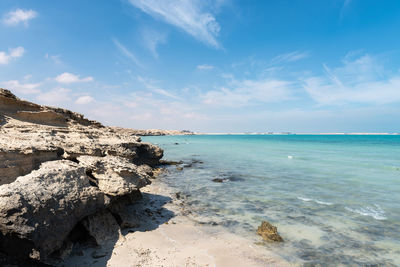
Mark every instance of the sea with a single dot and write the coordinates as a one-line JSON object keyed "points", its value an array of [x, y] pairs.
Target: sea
{"points": [[335, 199]]}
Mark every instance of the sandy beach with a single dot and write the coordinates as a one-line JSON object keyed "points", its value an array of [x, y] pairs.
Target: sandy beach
{"points": [[167, 236]]}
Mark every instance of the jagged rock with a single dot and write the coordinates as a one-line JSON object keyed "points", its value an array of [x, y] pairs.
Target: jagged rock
{"points": [[38, 210], [103, 227], [23, 110], [114, 176], [170, 162], [63, 177], [17, 163], [269, 232]]}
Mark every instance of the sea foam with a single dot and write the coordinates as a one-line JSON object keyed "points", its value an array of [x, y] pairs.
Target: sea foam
{"points": [[315, 200], [375, 212]]}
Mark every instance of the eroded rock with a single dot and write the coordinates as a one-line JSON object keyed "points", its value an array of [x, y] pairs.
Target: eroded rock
{"points": [[269, 232], [114, 176], [103, 227], [64, 178], [38, 210]]}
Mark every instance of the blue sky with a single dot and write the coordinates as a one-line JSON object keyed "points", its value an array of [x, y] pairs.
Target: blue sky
{"points": [[210, 66]]}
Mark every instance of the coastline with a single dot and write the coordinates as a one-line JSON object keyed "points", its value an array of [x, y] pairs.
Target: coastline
{"points": [[169, 236], [253, 133], [88, 177]]}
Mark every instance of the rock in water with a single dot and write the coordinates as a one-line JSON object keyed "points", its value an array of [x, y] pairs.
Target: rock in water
{"points": [[269, 232]]}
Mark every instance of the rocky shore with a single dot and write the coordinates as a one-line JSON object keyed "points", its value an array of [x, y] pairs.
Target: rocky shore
{"points": [[64, 179], [71, 195]]}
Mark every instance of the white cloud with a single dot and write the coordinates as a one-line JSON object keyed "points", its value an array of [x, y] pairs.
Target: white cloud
{"points": [[19, 16], [126, 52], [249, 92], [189, 16], [67, 77], [13, 53], [21, 88], [82, 100], [290, 57], [151, 85], [205, 67], [360, 80], [56, 96], [152, 39], [55, 58]]}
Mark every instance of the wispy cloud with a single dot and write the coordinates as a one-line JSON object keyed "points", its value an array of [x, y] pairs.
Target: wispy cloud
{"points": [[56, 96], [149, 84], [345, 6], [289, 57], [152, 39], [19, 16], [83, 100], [359, 80], [189, 16], [13, 53], [249, 92], [67, 77], [124, 51], [55, 58], [205, 67], [21, 88]]}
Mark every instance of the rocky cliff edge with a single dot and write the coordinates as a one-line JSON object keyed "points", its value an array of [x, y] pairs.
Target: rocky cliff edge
{"points": [[62, 178]]}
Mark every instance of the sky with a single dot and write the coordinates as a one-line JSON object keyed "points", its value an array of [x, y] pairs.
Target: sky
{"points": [[209, 66]]}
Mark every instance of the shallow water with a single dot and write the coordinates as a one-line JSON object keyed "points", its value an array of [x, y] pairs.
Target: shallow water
{"points": [[335, 199]]}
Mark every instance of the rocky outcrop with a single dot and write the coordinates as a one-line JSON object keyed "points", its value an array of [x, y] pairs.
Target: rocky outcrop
{"points": [[62, 177], [23, 110], [269, 232], [37, 211]]}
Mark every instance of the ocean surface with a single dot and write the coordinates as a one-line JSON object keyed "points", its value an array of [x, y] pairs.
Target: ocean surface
{"points": [[334, 198]]}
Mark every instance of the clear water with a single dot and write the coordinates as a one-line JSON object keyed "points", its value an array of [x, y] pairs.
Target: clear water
{"points": [[334, 199]]}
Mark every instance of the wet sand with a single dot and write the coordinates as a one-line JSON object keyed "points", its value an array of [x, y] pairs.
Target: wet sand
{"points": [[166, 236]]}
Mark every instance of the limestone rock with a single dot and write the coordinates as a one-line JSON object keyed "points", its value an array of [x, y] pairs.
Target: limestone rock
{"points": [[18, 163], [114, 176], [103, 227], [269, 232], [38, 210], [63, 176]]}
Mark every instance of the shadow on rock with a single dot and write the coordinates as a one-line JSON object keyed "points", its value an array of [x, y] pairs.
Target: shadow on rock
{"points": [[97, 237]]}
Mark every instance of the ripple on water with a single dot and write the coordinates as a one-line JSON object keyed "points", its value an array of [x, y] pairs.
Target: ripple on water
{"points": [[374, 211], [320, 199]]}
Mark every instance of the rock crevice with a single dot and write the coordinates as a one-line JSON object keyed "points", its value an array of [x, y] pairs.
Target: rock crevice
{"points": [[64, 177]]}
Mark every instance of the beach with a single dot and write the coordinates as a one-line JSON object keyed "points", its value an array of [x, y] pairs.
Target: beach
{"points": [[169, 236], [220, 188], [333, 198]]}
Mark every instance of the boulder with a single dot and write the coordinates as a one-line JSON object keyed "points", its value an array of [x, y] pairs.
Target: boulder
{"points": [[103, 227], [114, 176], [269, 232], [64, 178], [39, 210]]}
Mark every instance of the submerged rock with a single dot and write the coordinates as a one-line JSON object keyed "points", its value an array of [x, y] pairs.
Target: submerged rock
{"points": [[170, 162], [269, 232], [219, 180]]}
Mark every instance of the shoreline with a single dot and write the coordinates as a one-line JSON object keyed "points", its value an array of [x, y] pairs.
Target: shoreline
{"points": [[169, 236], [297, 134]]}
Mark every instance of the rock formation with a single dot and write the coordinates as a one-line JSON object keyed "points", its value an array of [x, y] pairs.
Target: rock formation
{"points": [[269, 232], [63, 176]]}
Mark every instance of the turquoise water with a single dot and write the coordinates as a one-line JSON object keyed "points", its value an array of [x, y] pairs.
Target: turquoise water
{"points": [[335, 199]]}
